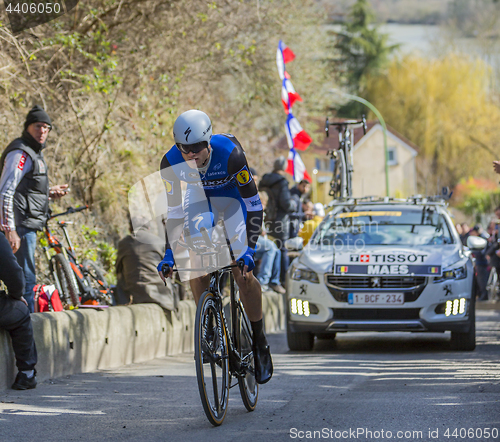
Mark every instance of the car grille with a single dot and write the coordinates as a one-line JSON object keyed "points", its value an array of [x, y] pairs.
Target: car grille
{"points": [[340, 286], [375, 314], [365, 282]]}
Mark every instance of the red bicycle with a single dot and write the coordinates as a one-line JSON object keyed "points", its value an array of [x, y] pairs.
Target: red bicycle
{"points": [[78, 283]]}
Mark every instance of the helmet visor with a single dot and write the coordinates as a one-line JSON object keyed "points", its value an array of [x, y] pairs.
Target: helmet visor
{"points": [[195, 148]]}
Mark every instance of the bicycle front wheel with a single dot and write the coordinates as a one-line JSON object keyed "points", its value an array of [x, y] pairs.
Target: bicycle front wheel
{"points": [[67, 280], [249, 389], [211, 357]]}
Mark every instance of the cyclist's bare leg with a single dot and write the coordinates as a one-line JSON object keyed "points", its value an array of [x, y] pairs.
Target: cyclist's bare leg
{"points": [[251, 296], [250, 293], [199, 282], [198, 286]]}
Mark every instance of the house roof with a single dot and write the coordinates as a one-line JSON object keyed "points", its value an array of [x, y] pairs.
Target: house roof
{"points": [[332, 142]]}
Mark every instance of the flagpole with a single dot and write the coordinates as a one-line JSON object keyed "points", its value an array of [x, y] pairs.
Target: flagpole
{"points": [[382, 122]]}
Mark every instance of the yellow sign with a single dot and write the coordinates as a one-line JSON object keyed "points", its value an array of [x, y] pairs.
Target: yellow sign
{"points": [[356, 214], [169, 186], [243, 177]]}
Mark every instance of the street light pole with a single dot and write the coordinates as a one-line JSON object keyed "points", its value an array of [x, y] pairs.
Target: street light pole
{"points": [[382, 122], [315, 185]]}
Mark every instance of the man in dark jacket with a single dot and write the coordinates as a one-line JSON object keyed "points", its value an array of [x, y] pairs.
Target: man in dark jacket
{"points": [[25, 192], [15, 317], [279, 227], [299, 193]]}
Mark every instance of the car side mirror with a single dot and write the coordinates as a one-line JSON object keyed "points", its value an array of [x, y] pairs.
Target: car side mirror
{"points": [[476, 243], [294, 244]]}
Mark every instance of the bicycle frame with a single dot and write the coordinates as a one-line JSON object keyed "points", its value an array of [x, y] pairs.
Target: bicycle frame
{"points": [[238, 367]]}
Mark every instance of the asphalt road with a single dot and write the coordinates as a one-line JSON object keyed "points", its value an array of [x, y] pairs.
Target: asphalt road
{"points": [[404, 387]]}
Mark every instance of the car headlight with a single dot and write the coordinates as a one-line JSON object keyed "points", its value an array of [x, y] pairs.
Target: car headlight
{"points": [[457, 273], [304, 274]]}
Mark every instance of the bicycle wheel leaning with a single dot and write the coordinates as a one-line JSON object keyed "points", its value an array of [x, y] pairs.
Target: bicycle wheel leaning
{"points": [[339, 182], [98, 282], [66, 280], [242, 337], [211, 357]]}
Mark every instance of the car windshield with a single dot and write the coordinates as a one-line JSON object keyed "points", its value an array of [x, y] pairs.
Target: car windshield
{"points": [[408, 227]]}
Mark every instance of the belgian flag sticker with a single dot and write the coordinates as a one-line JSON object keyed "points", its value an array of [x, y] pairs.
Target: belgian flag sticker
{"points": [[243, 176]]}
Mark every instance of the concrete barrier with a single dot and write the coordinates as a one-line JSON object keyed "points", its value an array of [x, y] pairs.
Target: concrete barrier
{"points": [[82, 340]]}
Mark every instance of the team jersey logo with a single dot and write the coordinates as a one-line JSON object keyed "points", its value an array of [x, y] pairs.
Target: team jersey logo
{"points": [[243, 176], [169, 186], [22, 162]]}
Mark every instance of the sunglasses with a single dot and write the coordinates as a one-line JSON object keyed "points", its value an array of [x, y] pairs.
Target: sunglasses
{"points": [[194, 148]]}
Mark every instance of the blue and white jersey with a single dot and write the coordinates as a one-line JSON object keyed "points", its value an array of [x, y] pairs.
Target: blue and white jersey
{"points": [[227, 175]]}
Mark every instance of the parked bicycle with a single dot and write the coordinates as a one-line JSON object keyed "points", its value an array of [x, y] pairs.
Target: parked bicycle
{"points": [[222, 352], [341, 184], [77, 283]]}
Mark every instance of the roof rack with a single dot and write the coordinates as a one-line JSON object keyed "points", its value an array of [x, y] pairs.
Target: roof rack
{"points": [[435, 200]]}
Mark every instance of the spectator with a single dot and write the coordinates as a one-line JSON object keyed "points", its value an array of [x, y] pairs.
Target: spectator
{"points": [[493, 251], [137, 257], [279, 228], [15, 317], [267, 254], [25, 192], [310, 226], [480, 264], [299, 193], [491, 229], [465, 233]]}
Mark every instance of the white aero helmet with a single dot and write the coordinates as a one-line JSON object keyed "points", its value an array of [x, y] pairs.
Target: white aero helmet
{"points": [[192, 127]]}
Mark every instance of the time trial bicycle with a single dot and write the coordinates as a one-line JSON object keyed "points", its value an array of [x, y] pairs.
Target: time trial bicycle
{"points": [[223, 349], [341, 184]]}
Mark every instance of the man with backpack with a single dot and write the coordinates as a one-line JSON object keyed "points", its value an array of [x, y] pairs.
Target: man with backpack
{"points": [[278, 209]]}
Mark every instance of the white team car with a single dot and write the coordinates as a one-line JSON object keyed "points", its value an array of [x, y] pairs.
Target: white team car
{"points": [[382, 265]]}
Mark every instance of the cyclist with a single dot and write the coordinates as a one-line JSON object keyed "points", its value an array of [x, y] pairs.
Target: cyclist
{"points": [[227, 189]]}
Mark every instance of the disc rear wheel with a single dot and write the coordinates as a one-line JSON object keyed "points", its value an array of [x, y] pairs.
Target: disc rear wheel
{"points": [[211, 357]]}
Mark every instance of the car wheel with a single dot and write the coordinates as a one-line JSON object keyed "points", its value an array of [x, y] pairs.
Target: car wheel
{"points": [[328, 336], [466, 341], [299, 341]]}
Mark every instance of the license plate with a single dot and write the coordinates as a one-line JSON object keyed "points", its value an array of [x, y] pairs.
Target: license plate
{"points": [[376, 298]]}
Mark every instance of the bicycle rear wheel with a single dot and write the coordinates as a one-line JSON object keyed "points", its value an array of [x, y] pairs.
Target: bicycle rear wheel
{"points": [[67, 281], [242, 335], [211, 357], [98, 282]]}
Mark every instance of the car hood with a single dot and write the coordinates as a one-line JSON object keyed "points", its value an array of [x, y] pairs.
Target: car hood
{"points": [[321, 259]]}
